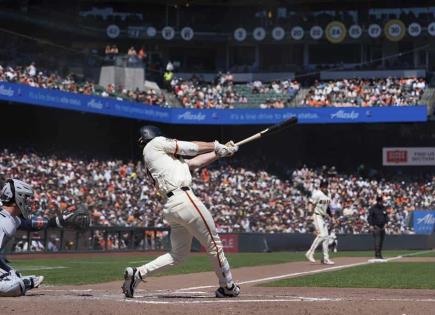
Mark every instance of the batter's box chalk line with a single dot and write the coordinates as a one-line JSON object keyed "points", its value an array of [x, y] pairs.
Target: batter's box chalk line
{"points": [[297, 274]]}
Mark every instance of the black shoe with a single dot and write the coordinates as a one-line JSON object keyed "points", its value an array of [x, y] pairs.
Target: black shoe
{"points": [[223, 292], [132, 278]]}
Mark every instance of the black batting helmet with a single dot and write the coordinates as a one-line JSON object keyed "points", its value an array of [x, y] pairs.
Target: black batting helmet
{"points": [[148, 133]]}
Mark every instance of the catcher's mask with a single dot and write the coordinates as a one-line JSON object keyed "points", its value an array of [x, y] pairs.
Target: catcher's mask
{"points": [[148, 133], [18, 192]]}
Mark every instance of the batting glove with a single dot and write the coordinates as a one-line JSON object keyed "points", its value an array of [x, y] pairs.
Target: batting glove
{"points": [[223, 150], [232, 147]]}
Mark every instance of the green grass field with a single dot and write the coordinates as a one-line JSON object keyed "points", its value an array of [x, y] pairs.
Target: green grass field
{"points": [[392, 275], [100, 269]]}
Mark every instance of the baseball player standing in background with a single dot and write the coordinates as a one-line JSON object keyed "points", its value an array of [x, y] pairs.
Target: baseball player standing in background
{"points": [[15, 214], [184, 212], [320, 201]]}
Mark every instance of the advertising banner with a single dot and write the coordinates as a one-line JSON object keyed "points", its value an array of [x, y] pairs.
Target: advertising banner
{"points": [[19, 93], [424, 222], [230, 243], [408, 156]]}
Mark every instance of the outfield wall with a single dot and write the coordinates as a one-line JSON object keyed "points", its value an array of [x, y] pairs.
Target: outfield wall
{"points": [[102, 239], [259, 242]]}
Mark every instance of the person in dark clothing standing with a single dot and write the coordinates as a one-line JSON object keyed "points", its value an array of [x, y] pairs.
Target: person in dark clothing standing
{"points": [[377, 218]]}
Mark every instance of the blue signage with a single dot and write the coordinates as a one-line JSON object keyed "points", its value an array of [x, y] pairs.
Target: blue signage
{"points": [[424, 222], [108, 106]]}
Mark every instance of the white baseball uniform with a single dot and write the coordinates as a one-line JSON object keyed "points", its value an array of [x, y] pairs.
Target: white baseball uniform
{"points": [[10, 283], [185, 213], [321, 203]]}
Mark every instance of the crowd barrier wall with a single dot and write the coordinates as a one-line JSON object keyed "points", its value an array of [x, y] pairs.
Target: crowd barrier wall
{"points": [[23, 94], [157, 239]]}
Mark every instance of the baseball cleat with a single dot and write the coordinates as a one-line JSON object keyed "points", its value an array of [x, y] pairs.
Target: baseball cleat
{"points": [[31, 282], [37, 280], [327, 262], [224, 292], [132, 278], [310, 257]]}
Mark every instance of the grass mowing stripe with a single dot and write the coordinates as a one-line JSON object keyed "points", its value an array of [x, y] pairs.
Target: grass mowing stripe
{"points": [[106, 268], [394, 275], [100, 269]]}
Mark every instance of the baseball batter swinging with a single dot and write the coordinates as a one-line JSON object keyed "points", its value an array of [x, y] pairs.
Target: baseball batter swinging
{"points": [[186, 214], [320, 201]]}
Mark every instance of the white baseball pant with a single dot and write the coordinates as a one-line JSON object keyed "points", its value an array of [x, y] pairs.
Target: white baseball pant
{"points": [[189, 217], [11, 285], [322, 236]]}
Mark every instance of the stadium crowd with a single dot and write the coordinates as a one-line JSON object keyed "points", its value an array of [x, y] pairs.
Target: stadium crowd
{"points": [[366, 92], [224, 93], [240, 199], [193, 93], [34, 77]]}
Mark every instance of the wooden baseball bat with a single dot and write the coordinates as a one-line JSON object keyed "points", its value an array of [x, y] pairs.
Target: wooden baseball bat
{"points": [[272, 129]]}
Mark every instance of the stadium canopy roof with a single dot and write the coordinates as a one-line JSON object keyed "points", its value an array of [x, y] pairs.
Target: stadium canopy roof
{"points": [[376, 3]]}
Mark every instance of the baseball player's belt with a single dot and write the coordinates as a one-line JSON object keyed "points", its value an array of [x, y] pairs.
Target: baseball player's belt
{"points": [[315, 212], [171, 193]]}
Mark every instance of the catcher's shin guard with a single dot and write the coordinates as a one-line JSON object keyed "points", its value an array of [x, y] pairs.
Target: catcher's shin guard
{"points": [[11, 286]]}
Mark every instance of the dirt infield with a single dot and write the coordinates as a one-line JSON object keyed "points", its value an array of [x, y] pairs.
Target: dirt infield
{"points": [[193, 293]]}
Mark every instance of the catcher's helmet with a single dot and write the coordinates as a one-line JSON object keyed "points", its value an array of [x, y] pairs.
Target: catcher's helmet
{"points": [[148, 133], [17, 191]]}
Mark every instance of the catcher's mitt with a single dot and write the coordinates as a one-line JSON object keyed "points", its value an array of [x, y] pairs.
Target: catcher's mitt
{"points": [[79, 219]]}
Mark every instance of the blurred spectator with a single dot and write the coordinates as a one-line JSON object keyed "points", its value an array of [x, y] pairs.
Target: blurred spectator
{"points": [[170, 67], [31, 70], [111, 52], [141, 54], [132, 56]]}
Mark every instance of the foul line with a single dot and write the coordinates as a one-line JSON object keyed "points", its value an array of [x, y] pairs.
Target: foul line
{"points": [[294, 299], [304, 299], [297, 274]]}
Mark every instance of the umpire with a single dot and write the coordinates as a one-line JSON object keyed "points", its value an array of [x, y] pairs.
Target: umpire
{"points": [[377, 219]]}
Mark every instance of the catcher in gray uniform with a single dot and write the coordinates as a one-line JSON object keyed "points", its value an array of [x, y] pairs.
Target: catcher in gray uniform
{"points": [[15, 214]]}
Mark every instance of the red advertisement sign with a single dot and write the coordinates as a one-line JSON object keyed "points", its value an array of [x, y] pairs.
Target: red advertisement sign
{"points": [[408, 156], [230, 243], [397, 156]]}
